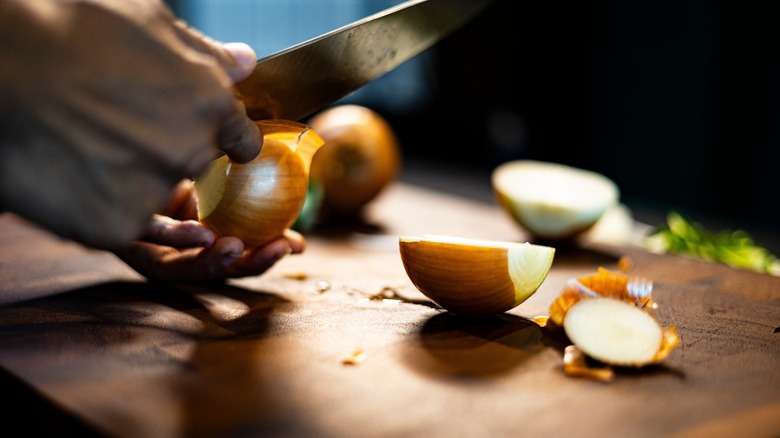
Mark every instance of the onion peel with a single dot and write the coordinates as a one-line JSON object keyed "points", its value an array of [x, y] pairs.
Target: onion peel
{"points": [[615, 339]]}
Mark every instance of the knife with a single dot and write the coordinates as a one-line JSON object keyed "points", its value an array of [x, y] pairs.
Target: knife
{"points": [[295, 82]]}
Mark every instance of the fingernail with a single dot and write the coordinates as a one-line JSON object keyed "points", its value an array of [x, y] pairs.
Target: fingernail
{"points": [[229, 258], [282, 249], [242, 53], [206, 241]]}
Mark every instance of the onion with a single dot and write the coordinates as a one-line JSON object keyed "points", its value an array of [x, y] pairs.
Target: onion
{"points": [[474, 276], [257, 201], [609, 317], [551, 200], [360, 157], [614, 331]]}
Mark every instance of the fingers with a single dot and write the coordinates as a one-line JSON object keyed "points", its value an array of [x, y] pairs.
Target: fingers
{"points": [[258, 260], [171, 253], [296, 240], [166, 263], [244, 61], [166, 231], [237, 59], [223, 260], [239, 137], [183, 204]]}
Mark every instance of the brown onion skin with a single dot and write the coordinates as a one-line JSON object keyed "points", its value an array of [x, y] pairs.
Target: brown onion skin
{"points": [[361, 155], [448, 277], [264, 197]]}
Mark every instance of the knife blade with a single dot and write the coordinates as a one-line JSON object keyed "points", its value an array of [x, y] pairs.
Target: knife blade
{"points": [[295, 82]]}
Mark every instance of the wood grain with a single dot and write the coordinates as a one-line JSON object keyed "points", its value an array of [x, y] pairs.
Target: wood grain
{"points": [[263, 356]]}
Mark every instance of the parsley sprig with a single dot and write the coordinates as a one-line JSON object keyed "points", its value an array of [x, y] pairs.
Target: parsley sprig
{"points": [[737, 249]]}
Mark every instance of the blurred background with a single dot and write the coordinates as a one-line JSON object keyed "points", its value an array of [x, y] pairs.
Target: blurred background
{"points": [[677, 102]]}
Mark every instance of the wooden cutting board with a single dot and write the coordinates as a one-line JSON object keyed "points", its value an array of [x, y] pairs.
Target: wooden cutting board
{"points": [[310, 348]]}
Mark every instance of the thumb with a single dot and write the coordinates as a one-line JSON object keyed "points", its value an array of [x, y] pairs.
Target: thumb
{"points": [[237, 59], [244, 60]]}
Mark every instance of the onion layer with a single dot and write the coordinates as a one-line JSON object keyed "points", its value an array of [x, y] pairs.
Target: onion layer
{"points": [[257, 201]]}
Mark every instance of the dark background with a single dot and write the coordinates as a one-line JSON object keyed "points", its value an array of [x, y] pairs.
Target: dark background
{"points": [[677, 102]]}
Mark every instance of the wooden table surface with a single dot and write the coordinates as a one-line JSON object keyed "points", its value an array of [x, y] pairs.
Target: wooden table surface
{"points": [[264, 356]]}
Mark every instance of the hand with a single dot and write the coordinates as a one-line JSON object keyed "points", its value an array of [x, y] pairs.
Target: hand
{"points": [[178, 248], [105, 105]]}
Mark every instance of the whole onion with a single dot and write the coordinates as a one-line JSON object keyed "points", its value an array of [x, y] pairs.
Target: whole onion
{"points": [[361, 155]]}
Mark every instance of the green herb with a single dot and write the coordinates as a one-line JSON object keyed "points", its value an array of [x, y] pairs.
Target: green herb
{"points": [[312, 204], [734, 248]]}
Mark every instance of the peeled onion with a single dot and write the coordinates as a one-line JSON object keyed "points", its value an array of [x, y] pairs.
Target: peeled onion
{"points": [[361, 155], [551, 200], [257, 201]]}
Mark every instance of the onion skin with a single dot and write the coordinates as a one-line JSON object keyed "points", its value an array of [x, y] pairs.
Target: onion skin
{"points": [[473, 277], [445, 277], [360, 157], [258, 200], [606, 285]]}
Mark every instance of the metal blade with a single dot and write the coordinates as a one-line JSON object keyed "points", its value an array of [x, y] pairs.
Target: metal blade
{"points": [[297, 81]]}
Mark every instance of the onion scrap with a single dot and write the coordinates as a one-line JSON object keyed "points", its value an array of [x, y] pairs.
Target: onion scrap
{"points": [[612, 346]]}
